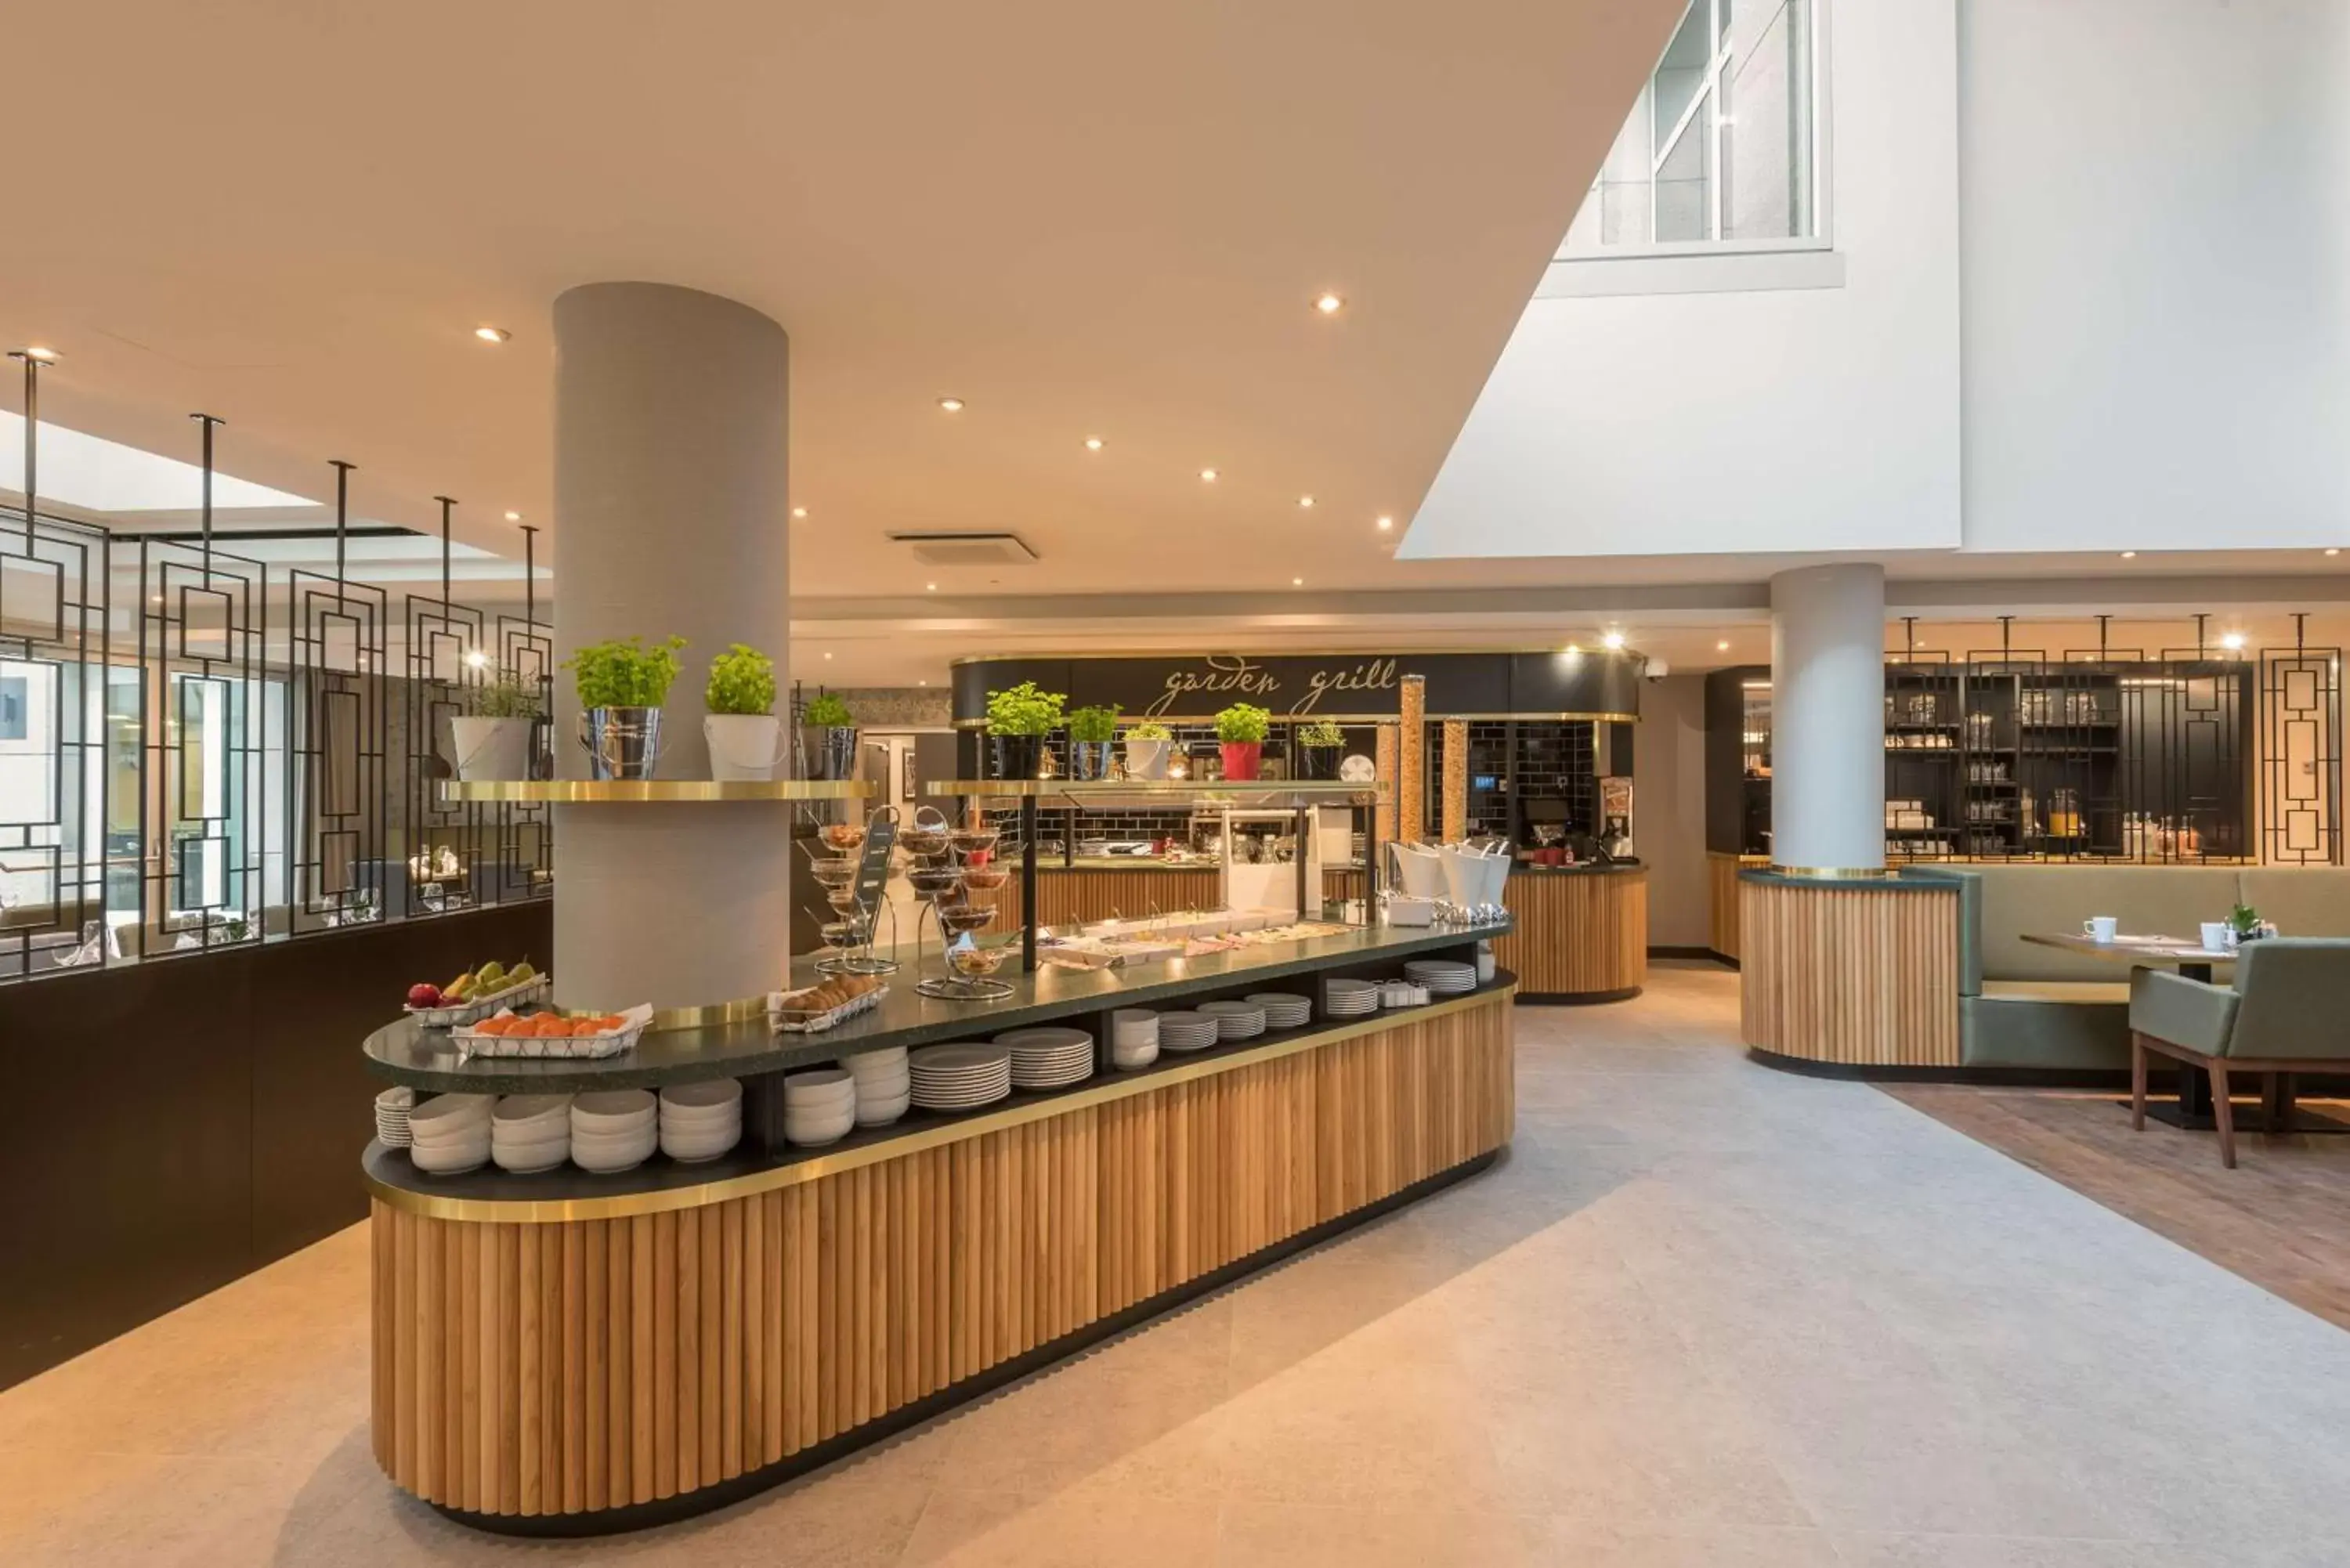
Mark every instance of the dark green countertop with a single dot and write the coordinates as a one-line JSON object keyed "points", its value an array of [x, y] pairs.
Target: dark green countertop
{"points": [[426, 1059]]}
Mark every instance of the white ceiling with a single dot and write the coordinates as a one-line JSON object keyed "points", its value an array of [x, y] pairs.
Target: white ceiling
{"points": [[1083, 220]]}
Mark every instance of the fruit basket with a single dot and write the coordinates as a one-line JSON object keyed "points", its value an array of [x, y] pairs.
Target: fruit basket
{"points": [[814, 1010], [474, 1009], [620, 1033]]}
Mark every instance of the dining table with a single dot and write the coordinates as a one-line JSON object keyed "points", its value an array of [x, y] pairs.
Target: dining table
{"points": [[2191, 958]]}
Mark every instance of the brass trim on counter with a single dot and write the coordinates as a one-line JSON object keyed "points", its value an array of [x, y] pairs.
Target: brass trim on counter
{"points": [[548, 1211], [1832, 873], [708, 1015], [638, 792], [1388, 718], [1324, 791]]}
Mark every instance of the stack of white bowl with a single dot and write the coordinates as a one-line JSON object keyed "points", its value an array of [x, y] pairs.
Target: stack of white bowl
{"points": [[1344, 998], [1133, 1037], [613, 1129], [1441, 977], [1235, 1020], [1285, 1009], [452, 1133], [701, 1121], [391, 1108], [1183, 1031], [959, 1077], [1049, 1058], [819, 1106], [531, 1132], [884, 1085]]}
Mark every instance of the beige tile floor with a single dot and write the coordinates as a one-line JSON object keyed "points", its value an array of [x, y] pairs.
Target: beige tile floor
{"points": [[1705, 1314]]}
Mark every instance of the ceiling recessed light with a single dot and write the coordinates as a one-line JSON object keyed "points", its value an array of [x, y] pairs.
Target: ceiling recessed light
{"points": [[492, 334], [1305, 501], [930, 587], [921, 683], [2233, 640], [1329, 304], [513, 516], [1093, 443], [799, 511], [951, 405], [1722, 647], [1208, 474], [1297, 582], [1386, 523], [828, 654], [2333, 552], [2129, 555], [1613, 639]]}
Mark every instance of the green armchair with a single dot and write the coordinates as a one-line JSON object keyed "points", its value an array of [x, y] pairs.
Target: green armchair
{"points": [[2288, 1012]]}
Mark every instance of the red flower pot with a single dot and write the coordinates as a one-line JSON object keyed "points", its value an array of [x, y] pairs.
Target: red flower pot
{"points": [[1240, 758]]}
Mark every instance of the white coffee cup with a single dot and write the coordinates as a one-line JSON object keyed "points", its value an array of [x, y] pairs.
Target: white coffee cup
{"points": [[2215, 936], [2100, 928]]}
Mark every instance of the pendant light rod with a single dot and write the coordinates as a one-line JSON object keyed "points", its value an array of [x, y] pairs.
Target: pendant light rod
{"points": [[529, 576], [210, 424], [2101, 636], [446, 503], [342, 521], [2201, 617], [34, 359]]}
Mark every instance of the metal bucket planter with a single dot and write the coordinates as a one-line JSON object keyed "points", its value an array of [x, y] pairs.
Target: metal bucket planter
{"points": [[1089, 760], [620, 743], [1017, 756], [831, 750]]}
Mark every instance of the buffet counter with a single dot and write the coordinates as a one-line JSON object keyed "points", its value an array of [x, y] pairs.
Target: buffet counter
{"points": [[573, 1354], [1131, 888], [1580, 933]]}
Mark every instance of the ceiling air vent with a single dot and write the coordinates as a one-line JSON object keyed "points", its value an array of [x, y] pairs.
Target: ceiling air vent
{"points": [[979, 549]]}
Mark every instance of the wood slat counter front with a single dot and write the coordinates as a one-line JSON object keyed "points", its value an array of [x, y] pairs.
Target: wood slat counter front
{"points": [[1578, 933], [1067, 894], [582, 1366], [1853, 972]]}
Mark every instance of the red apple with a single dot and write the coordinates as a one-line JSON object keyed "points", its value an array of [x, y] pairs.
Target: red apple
{"points": [[423, 996]]}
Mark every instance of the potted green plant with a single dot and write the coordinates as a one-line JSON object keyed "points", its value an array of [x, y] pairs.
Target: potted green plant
{"points": [[622, 685], [1146, 746], [828, 736], [1318, 745], [1092, 737], [493, 742], [744, 735], [1017, 723], [1242, 729]]}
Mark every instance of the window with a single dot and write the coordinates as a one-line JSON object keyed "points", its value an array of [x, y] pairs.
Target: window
{"points": [[1722, 151]]}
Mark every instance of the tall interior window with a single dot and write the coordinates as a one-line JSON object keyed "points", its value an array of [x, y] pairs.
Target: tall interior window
{"points": [[1721, 150]]}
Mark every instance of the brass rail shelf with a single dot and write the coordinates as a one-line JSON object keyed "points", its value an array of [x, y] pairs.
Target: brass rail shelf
{"points": [[639, 792]]}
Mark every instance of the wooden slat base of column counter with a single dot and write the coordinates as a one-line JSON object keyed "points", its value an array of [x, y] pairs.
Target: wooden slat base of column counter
{"points": [[1578, 936], [579, 1377], [1856, 976]]}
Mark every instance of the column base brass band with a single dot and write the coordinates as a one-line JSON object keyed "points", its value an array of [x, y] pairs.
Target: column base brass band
{"points": [[549, 1211], [709, 1015], [1834, 873]]}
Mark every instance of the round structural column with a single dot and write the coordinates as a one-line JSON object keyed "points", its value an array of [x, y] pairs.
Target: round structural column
{"points": [[1827, 718], [671, 520]]}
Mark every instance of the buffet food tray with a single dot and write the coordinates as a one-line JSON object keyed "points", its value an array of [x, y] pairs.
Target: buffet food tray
{"points": [[564, 1047], [788, 1021], [537, 988]]}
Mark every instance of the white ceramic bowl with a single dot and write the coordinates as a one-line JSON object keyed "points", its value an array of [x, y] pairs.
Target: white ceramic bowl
{"points": [[602, 1161], [527, 1158], [817, 1083], [451, 1159], [870, 1063], [710, 1093], [518, 1111], [699, 1116], [635, 1146], [880, 1112], [444, 1113], [612, 1110], [690, 1147]]}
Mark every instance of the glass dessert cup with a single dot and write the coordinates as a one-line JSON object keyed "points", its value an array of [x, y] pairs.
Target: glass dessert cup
{"points": [[843, 837], [984, 878], [935, 881], [973, 840], [969, 967], [838, 873]]}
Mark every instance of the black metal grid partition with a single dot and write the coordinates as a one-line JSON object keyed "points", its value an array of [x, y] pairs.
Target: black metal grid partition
{"points": [[53, 819], [2301, 754]]}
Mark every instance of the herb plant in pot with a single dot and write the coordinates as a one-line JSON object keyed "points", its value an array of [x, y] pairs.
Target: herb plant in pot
{"points": [[493, 742], [1317, 747], [828, 736], [1092, 737], [1242, 729], [744, 735], [1017, 723], [1146, 749], [622, 685]]}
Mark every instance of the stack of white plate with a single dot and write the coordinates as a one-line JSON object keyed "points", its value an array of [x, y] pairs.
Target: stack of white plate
{"points": [[959, 1077], [1048, 1059], [531, 1132], [1484, 962], [452, 1133], [884, 1085], [1349, 997], [391, 1108], [613, 1129], [819, 1106], [703, 1120], [1235, 1020], [1133, 1037], [1187, 1030], [1442, 977], [1285, 1009]]}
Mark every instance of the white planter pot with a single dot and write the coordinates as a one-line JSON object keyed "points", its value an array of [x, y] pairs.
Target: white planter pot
{"points": [[1147, 759], [490, 748], [743, 745]]}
